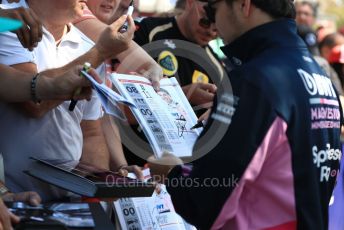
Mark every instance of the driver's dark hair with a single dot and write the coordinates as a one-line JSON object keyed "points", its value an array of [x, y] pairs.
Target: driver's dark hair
{"points": [[275, 8]]}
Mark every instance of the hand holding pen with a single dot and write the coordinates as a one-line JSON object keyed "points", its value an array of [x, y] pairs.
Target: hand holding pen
{"points": [[202, 120], [86, 67], [112, 42], [199, 124]]}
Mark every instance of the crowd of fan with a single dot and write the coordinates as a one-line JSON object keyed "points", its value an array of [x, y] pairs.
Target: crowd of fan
{"points": [[38, 117]]}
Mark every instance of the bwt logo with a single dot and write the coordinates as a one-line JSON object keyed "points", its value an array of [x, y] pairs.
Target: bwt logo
{"points": [[317, 84]]}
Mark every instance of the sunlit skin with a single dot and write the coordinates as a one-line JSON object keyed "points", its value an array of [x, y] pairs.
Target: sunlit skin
{"points": [[123, 8], [65, 11], [75, 9], [225, 15], [104, 10], [188, 23]]}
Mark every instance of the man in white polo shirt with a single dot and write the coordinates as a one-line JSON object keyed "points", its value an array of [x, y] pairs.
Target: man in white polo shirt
{"points": [[49, 129]]}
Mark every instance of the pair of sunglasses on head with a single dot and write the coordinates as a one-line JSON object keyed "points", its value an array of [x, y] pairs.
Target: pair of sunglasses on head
{"points": [[210, 11]]}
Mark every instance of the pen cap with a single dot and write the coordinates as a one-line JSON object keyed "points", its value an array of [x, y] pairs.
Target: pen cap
{"points": [[87, 65], [131, 8]]}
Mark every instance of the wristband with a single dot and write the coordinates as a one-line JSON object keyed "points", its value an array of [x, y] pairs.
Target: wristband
{"points": [[33, 89]]}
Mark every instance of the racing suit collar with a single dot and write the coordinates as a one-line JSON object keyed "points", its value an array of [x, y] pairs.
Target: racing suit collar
{"points": [[277, 33]]}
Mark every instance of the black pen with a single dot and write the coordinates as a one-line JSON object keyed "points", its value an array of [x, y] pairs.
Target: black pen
{"points": [[73, 102], [198, 125]]}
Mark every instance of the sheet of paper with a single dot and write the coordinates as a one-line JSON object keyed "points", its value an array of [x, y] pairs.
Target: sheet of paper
{"points": [[166, 116], [108, 98], [150, 213]]}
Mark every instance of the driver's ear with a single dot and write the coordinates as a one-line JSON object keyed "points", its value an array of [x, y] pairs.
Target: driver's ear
{"points": [[246, 7]]}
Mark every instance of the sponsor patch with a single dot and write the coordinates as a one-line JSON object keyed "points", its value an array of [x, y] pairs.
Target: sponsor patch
{"points": [[168, 62], [199, 77]]}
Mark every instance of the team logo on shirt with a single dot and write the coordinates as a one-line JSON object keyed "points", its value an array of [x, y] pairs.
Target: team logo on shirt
{"points": [[325, 111], [199, 77], [168, 62], [317, 85], [320, 159]]}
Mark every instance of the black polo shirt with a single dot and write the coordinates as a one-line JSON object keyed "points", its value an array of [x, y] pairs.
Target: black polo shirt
{"points": [[188, 71]]}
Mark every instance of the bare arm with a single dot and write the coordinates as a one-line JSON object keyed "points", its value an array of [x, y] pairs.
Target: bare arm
{"points": [[63, 87], [92, 28], [30, 108], [94, 150], [110, 42], [15, 85], [113, 140], [133, 59]]}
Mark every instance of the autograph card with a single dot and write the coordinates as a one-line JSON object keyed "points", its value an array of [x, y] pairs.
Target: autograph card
{"points": [[166, 116]]}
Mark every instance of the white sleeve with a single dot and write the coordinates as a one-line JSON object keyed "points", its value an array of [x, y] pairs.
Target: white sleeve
{"points": [[12, 52]]}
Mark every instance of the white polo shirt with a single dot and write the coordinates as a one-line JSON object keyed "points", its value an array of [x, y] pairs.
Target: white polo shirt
{"points": [[58, 133]]}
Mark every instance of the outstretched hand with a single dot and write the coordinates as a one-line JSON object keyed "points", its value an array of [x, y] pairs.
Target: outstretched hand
{"points": [[112, 42], [63, 87], [31, 32], [153, 72], [124, 170]]}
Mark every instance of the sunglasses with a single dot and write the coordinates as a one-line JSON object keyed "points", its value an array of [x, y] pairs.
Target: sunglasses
{"points": [[205, 23], [210, 10]]}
